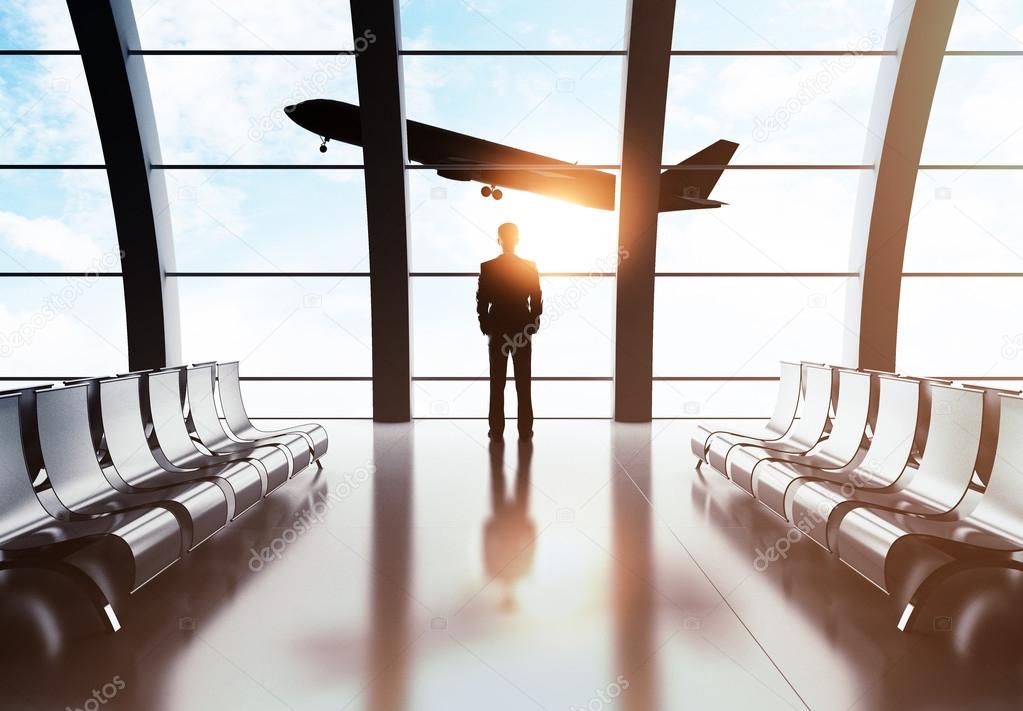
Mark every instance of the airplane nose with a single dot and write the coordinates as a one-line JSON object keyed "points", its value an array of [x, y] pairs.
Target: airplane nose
{"points": [[290, 108]]}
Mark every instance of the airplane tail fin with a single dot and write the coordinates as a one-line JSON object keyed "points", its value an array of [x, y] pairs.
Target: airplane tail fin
{"points": [[689, 188]]}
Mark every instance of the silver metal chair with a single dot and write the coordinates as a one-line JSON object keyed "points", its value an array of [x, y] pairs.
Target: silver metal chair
{"points": [[148, 541], [990, 521], [878, 465], [86, 489], [855, 398], [210, 428], [805, 432], [936, 486], [229, 386], [243, 483], [175, 446], [781, 419]]}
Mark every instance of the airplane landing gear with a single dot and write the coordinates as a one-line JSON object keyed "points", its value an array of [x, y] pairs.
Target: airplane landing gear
{"points": [[497, 194], [491, 191], [323, 145]]}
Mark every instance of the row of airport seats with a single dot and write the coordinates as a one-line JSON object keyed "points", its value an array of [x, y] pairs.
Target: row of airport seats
{"points": [[135, 470], [863, 462]]}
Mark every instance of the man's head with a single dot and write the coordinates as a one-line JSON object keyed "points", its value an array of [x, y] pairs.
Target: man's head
{"points": [[508, 237]]}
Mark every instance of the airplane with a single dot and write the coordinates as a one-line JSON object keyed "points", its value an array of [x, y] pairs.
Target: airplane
{"points": [[682, 188]]}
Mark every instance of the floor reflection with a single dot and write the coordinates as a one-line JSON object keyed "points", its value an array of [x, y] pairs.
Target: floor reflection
{"points": [[509, 534]]}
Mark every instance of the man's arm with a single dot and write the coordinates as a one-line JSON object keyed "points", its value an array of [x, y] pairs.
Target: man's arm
{"points": [[535, 299], [483, 303]]}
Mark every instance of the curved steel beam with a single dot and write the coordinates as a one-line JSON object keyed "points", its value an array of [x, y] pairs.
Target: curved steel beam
{"points": [[906, 85], [127, 129], [645, 97], [385, 154]]}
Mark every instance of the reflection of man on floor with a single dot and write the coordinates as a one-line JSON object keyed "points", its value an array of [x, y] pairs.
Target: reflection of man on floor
{"points": [[509, 304], [509, 535]]}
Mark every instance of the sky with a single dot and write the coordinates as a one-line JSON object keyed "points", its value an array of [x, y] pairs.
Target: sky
{"points": [[782, 110]]}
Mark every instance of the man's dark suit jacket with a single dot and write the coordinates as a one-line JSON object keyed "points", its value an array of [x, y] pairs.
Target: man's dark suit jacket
{"points": [[509, 297]]}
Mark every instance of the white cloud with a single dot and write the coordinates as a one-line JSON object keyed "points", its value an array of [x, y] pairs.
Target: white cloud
{"points": [[51, 239]]}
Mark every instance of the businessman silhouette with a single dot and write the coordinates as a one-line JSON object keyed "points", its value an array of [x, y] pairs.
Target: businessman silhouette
{"points": [[509, 304]]}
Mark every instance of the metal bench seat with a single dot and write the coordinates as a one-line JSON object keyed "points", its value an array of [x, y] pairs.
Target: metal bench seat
{"points": [[877, 466], [86, 489], [243, 483], [936, 486], [174, 446], [215, 437], [781, 419], [149, 541], [805, 432], [855, 400], [991, 521], [238, 421]]}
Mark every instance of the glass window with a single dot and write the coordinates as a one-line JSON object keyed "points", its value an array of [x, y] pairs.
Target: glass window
{"points": [[278, 325], [550, 399], [961, 326], [231, 109], [743, 326], [987, 25], [975, 116], [62, 326], [562, 107], [48, 116], [780, 110], [513, 24], [575, 336], [966, 221], [36, 24], [269, 220], [243, 24], [755, 24], [714, 398], [307, 399], [57, 221], [775, 221], [454, 228]]}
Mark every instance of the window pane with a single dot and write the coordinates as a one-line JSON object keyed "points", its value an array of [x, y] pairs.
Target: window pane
{"points": [[243, 24], [266, 221], [780, 110], [56, 220], [960, 326], [550, 399], [454, 228], [231, 109], [60, 326], [36, 24], [278, 325], [966, 221], [717, 398], [513, 24], [574, 337], [745, 325], [987, 25], [563, 107], [755, 24], [307, 399], [975, 117], [785, 220], [48, 116]]}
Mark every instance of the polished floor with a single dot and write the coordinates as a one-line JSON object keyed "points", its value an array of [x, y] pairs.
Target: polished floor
{"points": [[424, 569]]}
